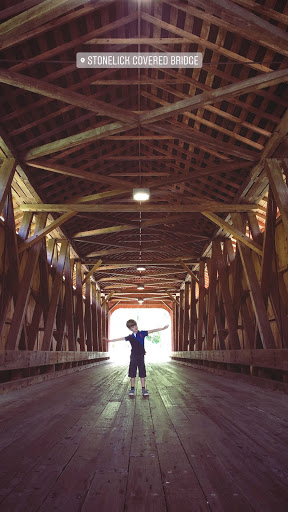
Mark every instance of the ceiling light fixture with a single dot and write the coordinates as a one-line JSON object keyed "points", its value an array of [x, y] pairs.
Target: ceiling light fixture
{"points": [[141, 268], [141, 194], [140, 286], [140, 301]]}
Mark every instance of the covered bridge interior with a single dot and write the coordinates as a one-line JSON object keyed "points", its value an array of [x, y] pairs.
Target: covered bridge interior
{"points": [[210, 246]]}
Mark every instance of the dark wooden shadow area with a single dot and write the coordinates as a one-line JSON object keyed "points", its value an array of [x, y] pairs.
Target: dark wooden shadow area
{"points": [[200, 442]]}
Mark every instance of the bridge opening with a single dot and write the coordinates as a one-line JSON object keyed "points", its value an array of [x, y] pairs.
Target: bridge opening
{"points": [[158, 346]]}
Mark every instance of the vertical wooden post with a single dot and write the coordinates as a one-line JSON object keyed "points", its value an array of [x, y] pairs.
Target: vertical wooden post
{"points": [[57, 285], [88, 320], [79, 307], [99, 320], [186, 316], [279, 188], [228, 305], [94, 317], [211, 300], [181, 316], [68, 272], [10, 283], [25, 289], [7, 171], [193, 314], [103, 327], [177, 313], [174, 323], [201, 299]]}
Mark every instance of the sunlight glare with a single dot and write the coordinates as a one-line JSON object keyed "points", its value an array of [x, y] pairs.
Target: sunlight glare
{"points": [[150, 318]]}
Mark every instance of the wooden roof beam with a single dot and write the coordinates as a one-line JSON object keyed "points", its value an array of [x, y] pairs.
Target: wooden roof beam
{"points": [[246, 23], [189, 271], [233, 231], [39, 17], [72, 98], [45, 231], [202, 42], [216, 95], [35, 16], [211, 206], [74, 140], [91, 272]]}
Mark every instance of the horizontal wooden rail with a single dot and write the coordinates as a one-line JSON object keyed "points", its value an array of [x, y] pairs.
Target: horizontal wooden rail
{"points": [[22, 368], [270, 365]]}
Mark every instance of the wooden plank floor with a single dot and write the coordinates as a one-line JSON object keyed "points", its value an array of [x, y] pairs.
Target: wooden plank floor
{"points": [[199, 443]]}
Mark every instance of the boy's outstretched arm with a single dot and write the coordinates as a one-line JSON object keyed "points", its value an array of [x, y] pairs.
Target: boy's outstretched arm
{"points": [[116, 339], [159, 329]]}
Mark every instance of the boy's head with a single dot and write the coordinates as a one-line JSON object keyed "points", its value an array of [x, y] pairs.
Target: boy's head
{"points": [[132, 325]]}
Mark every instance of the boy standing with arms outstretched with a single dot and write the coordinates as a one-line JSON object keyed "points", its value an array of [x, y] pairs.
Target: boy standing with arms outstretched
{"points": [[136, 340]]}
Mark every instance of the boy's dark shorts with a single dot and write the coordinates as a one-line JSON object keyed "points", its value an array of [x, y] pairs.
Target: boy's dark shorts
{"points": [[137, 362]]}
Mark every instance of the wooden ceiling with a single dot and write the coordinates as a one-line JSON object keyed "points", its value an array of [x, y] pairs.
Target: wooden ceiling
{"points": [[198, 138]]}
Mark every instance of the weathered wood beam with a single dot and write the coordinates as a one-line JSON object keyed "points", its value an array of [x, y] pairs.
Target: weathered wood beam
{"points": [[220, 329], [206, 142], [42, 300], [25, 225], [129, 227], [172, 298], [45, 231], [94, 318], [212, 271], [186, 326], [255, 290], [257, 181], [97, 265], [139, 40], [202, 42], [107, 298], [69, 303], [72, 98], [10, 257], [77, 173], [216, 95], [56, 289], [201, 306], [181, 315], [7, 171], [99, 320], [52, 24], [269, 278], [211, 14], [246, 23], [17, 322], [104, 231], [232, 230], [75, 140], [193, 315], [228, 304], [189, 271], [79, 307], [34, 17], [279, 187], [206, 207], [88, 315]]}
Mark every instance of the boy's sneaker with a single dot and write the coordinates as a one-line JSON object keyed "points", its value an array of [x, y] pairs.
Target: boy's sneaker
{"points": [[132, 392], [145, 392]]}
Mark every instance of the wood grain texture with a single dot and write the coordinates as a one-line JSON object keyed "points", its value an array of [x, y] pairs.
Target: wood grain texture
{"points": [[200, 442]]}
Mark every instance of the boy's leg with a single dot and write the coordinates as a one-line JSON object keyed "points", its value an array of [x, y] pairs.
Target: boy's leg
{"points": [[142, 375], [132, 375]]}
